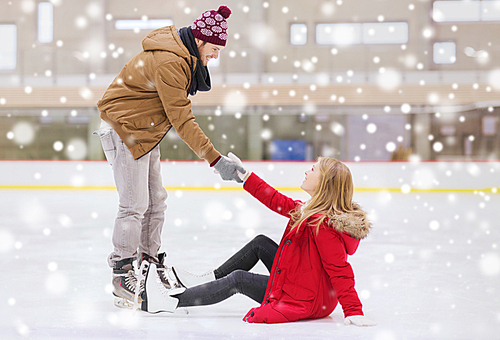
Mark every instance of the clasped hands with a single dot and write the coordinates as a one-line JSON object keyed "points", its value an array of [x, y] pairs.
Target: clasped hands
{"points": [[230, 168]]}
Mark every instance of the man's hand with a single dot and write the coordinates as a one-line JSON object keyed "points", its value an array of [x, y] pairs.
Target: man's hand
{"points": [[228, 169], [359, 320]]}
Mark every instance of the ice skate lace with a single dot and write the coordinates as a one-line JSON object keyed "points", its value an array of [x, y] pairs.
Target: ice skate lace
{"points": [[140, 283], [169, 276], [130, 281], [164, 291]]}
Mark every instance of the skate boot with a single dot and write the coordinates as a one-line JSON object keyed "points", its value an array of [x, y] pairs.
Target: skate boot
{"points": [[189, 280], [165, 273], [156, 298], [125, 284]]}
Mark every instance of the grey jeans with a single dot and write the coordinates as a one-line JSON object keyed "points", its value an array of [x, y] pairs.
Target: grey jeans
{"points": [[142, 206], [233, 276]]}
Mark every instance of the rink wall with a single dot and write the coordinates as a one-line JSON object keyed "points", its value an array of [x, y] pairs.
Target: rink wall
{"points": [[197, 175]]}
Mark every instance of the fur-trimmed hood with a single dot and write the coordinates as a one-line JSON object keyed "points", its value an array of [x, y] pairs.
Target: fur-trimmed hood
{"points": [[355, 223]]}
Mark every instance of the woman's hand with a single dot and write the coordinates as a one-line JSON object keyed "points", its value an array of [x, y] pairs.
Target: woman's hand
{"points": [[228, 169], [359, 320], [234, 158]]}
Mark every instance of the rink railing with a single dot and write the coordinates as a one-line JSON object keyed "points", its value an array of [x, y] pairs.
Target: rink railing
{"points": [[405, 177]]}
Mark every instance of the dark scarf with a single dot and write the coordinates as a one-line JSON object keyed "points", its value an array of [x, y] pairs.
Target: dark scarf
{"points": [[200, 78]]}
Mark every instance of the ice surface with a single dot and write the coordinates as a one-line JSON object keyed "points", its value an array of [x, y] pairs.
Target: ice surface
{"points": [[430, 269]]}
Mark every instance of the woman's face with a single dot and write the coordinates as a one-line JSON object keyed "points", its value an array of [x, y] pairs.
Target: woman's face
{"points": [[313, 177]]}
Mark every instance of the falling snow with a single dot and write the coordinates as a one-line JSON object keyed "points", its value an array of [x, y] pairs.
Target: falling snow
{"points": [[429, 269], [419, 260]]}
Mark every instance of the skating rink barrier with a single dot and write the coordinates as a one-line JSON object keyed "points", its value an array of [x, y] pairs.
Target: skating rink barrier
{"points": [[197, 175]]}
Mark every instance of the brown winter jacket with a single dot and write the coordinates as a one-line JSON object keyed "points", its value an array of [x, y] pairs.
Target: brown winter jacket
{"points": [[149, 96]]}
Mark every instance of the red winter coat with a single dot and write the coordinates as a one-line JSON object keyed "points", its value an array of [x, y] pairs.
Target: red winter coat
{"points": [[310, 273]]}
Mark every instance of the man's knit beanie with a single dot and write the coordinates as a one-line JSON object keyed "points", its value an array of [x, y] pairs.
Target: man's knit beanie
{"points": [[211, 26]]}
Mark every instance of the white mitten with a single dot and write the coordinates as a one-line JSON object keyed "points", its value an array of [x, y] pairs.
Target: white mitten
{"points": [[229, 170], [359, 320], [234, 158]]}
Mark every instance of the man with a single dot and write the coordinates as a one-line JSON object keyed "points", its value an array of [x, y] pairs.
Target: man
{"points": [[147, 98]]}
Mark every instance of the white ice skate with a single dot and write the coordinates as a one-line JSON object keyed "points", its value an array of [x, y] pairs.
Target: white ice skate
{"points": [[156, 297], [169, 280], [166, 274]]}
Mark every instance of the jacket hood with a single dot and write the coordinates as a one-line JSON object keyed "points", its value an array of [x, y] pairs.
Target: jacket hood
{"points": [[355, 223], [166, 39], [353, 226]]}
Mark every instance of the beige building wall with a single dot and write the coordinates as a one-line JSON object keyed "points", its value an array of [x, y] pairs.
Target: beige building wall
{"points": [[272, 76]]}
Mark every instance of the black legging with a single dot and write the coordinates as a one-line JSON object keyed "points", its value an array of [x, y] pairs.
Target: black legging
{"points": [[233, 277]]}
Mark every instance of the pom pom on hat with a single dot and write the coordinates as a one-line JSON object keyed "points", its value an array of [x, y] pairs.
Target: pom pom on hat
{"points": [[211, 26], [224, 11]]}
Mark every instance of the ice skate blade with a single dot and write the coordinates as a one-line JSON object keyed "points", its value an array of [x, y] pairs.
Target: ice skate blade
{"points": [[123, 303]]}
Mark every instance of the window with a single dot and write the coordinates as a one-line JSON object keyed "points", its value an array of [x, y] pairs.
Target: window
{"points": [[298, 34], [489, 125], [491, 11], [8, 47], [45, 22], [445, 53], [366, 33], [446, 11], [443, 11], [141, 24], [385, 33], [338, 34]]}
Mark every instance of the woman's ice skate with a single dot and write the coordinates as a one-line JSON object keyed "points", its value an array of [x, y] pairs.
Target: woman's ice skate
{"points": [[156, 298]]}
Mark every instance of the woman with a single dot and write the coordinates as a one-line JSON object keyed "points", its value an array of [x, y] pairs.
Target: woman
{"points": [[309, 272]]}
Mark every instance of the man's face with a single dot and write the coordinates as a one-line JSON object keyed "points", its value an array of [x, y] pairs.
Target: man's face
{"points": [[208, 51]]}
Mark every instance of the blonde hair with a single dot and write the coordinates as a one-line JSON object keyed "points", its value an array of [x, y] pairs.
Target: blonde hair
{"points": [[332, 196]]}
